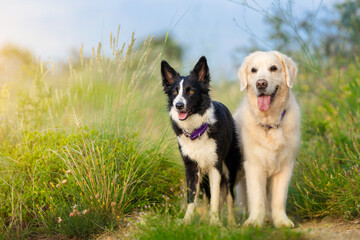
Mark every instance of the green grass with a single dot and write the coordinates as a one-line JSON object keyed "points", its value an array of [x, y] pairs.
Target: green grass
{"points": [[327, 178], [83, 149], [160, 227]]}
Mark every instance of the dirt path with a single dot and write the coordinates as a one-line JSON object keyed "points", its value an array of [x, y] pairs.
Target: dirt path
{"points": [[331, 229]]}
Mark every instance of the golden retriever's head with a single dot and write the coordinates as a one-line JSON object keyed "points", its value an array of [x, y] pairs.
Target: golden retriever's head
{"points": [[266, 74]]}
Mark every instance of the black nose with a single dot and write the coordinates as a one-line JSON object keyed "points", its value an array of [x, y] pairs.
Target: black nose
{"points": [[179, 105], [261, 84]]}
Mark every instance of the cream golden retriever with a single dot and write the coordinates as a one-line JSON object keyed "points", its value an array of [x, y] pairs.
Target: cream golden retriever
{"points": [[268, 124]]}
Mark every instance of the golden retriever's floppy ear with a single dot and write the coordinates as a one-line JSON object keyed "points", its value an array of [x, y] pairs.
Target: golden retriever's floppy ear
{"points": [[290, 68], [243, 74]]}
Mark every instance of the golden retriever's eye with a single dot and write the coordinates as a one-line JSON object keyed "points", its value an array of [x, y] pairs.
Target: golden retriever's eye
{"points": [[175, 92], [273, 69], [253, 70], [191, 92]]}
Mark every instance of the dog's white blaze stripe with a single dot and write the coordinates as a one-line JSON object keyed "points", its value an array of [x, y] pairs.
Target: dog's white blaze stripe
{"points": [[180, 97], [195, 120]]}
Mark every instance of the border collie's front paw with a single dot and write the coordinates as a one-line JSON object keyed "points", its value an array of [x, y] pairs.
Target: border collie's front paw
{"points": [[186, 220], [189, 213]]}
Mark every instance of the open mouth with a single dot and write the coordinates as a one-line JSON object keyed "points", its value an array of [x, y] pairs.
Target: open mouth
{"points": [[183, 115], [265, 100]]}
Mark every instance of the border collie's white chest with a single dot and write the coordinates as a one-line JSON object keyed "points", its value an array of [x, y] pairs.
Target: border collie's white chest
{"points": [[202, 150]]}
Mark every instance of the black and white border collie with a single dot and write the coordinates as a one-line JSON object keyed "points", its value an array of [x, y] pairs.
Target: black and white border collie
{"points": [[206, 135]]}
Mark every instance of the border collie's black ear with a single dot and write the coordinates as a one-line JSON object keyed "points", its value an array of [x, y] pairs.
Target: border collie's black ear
{"points": [[168, 75], [201, 71]]}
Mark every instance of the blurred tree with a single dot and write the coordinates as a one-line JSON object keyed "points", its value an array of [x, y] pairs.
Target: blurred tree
{"points": [[349, 24], [16, 63], [336, 36], [169, 48]]}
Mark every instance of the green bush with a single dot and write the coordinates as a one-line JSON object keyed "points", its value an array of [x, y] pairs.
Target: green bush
{"points": [[327, 176], [97, 177], [83, 148]]}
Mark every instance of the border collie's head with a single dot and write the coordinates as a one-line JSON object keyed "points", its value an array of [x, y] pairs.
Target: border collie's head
{"points": [[187, 95]]}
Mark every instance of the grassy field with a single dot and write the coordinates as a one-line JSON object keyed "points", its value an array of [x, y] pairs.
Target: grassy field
{"points": [[85, 149]]}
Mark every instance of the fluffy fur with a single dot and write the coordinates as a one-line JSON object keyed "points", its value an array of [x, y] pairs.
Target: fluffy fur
{"points": [[213, 159], [269, 137]]}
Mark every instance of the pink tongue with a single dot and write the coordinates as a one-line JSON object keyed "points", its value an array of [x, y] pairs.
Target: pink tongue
{"points": [[263, 103], [182, 115]]}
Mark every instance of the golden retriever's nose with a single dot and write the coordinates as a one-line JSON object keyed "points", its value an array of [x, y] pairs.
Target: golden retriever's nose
{"points": [[261, 84]]}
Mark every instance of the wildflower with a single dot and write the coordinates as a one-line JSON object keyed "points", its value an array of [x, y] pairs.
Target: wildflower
{"points": [[59, 220], [58, 185], [68, 172], [64, 181], [74, 206], [171, 189], [97, 196], [74, 212], [85, 211], [113, 204], [91, 197]]}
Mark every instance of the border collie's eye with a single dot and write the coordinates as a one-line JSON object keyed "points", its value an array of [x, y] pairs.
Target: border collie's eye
{"points": [[175, 92], [253, 70], [273, 69], [191, 92]]}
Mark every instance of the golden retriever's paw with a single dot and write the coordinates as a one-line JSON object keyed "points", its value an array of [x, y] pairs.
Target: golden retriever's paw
{"points": [[253, 222], [283, 222]]}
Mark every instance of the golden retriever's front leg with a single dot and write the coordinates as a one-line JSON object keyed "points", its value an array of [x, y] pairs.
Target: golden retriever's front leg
{"points": [[279, 188], [256, 189], [214, 179]]}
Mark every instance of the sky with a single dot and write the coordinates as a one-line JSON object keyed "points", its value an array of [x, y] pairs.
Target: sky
{"points": [[52, 29]]}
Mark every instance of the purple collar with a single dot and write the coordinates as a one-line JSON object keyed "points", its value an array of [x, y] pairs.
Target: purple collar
{"points": [[197, 132], [268, 127]]}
